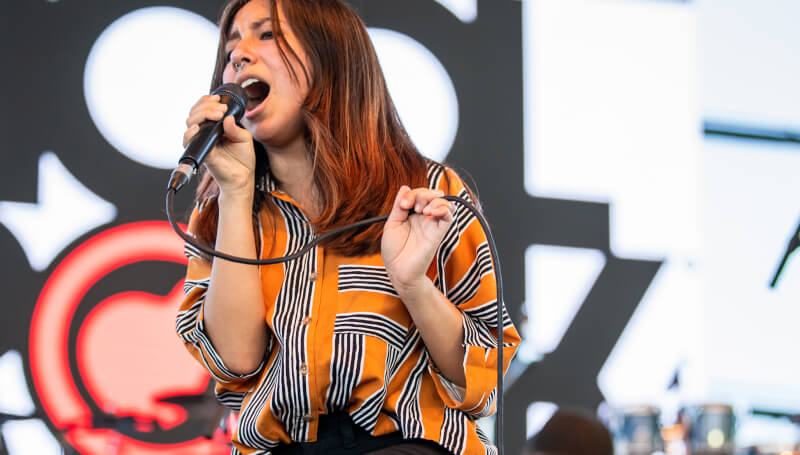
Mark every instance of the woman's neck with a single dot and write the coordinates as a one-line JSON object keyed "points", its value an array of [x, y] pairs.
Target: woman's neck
{"points": [[292, 169]]}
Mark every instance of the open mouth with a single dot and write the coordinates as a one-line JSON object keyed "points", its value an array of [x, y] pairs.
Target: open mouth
{"points": [[257, 91]]}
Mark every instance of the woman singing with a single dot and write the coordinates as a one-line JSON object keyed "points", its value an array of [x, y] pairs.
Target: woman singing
{"points": [[381, 340]]}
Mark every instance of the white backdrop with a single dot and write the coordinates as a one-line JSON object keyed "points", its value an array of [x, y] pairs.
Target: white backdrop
{"points": [[616, 94]]}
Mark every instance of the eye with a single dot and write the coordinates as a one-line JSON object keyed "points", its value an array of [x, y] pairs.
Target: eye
{"points": [[266, 35], [228, 56]]}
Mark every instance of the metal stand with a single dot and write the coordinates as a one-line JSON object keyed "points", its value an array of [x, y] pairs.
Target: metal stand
{"points": [[794, 244]]}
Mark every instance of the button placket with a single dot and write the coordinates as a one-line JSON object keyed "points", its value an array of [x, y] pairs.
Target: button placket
{"points": [[309, 323]]}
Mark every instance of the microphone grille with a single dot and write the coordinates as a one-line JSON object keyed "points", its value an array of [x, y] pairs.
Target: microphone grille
{"points": [[234, 91]]}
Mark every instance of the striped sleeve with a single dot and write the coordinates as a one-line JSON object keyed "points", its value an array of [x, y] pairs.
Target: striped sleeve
{"points": [[465, 274], [190, 327]]}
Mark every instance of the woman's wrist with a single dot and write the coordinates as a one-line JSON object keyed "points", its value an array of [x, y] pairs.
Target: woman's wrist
{"points": [[413, 293], [236, 196]]}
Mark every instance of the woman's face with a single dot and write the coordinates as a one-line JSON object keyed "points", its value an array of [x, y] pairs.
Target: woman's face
{"points": [[273, 115]]}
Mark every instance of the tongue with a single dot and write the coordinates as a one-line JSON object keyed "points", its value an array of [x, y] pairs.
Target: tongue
{"points": [[252, 103], [255, 94]]}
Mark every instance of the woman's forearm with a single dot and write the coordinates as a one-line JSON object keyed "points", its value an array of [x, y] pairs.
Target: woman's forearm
{"points": [[440, 324], [234, 313]]}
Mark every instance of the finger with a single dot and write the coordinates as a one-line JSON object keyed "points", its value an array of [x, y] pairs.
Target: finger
{"points": [[438, 211], [423, 197], [208, 112], [206, 99], [193, 123], [437, 207], [190, 133], [233, 132], [402, 203], [207, 102]]}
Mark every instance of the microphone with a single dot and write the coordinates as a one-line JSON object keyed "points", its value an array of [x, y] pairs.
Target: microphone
{"points": [[210, 132]]}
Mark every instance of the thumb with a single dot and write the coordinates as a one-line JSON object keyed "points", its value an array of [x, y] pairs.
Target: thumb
{"points": [[233, 132]]}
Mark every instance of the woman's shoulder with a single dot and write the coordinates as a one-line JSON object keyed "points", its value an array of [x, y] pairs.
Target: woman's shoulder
{"points": [[445, 178]]}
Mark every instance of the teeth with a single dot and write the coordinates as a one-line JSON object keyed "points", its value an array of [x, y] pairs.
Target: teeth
{"points": [[248, 82]]}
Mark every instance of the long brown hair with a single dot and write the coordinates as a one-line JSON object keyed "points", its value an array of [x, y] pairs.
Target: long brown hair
{"points": [[360, 150]]}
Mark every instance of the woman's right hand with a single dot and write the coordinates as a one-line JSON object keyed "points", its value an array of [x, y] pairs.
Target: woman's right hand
{"points": [[232, 162]]}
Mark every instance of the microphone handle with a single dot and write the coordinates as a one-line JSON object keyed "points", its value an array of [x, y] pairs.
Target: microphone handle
{"points": [[202, 143], [208, 134]]}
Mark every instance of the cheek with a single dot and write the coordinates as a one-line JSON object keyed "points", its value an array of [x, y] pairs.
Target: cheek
{"points": [[299, 87]]}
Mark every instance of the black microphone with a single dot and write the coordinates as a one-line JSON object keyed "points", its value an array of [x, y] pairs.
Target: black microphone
{"points": [[235, 98]]}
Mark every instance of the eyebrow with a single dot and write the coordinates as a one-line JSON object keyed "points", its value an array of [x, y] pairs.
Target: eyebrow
{"points": [[253, 26]]}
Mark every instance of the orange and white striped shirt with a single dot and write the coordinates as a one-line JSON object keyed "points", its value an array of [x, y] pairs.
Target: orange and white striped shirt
{"points": [[340, 339]]}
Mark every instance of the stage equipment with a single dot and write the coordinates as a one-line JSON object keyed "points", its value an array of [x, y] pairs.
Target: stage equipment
{"points": [[636, 430], [794, 244], [711, 429]]}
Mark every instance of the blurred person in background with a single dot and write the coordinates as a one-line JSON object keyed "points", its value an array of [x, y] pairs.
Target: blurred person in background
{"points": [[571, 432]]}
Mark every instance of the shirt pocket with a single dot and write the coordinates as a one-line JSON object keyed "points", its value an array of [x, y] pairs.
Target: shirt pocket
{"points": [[374, 325], [367, 289], [370, 317], [355, 278], [366, 348]]}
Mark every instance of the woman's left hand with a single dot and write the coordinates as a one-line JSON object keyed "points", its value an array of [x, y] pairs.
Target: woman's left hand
{"points": [[410, 242]]}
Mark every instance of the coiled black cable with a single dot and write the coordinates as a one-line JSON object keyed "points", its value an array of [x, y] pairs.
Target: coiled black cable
{"points": [[495, 259]]}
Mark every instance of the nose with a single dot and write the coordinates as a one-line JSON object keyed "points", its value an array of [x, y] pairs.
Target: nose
{"points": [[242, 55]]}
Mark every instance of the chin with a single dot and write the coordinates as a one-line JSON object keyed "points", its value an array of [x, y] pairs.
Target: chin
{"points": [[264, 135], [258, 130]]}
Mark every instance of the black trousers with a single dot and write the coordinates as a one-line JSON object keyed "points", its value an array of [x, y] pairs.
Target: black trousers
{"points": [[338, 435]]}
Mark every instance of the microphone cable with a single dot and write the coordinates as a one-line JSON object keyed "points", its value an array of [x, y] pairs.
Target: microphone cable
{"points": [[171, 191]]}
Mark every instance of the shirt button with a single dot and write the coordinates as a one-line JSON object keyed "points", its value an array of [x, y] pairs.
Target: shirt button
{"points": [[307, 320], [304, 369], [308, 418], [312, 276]]}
